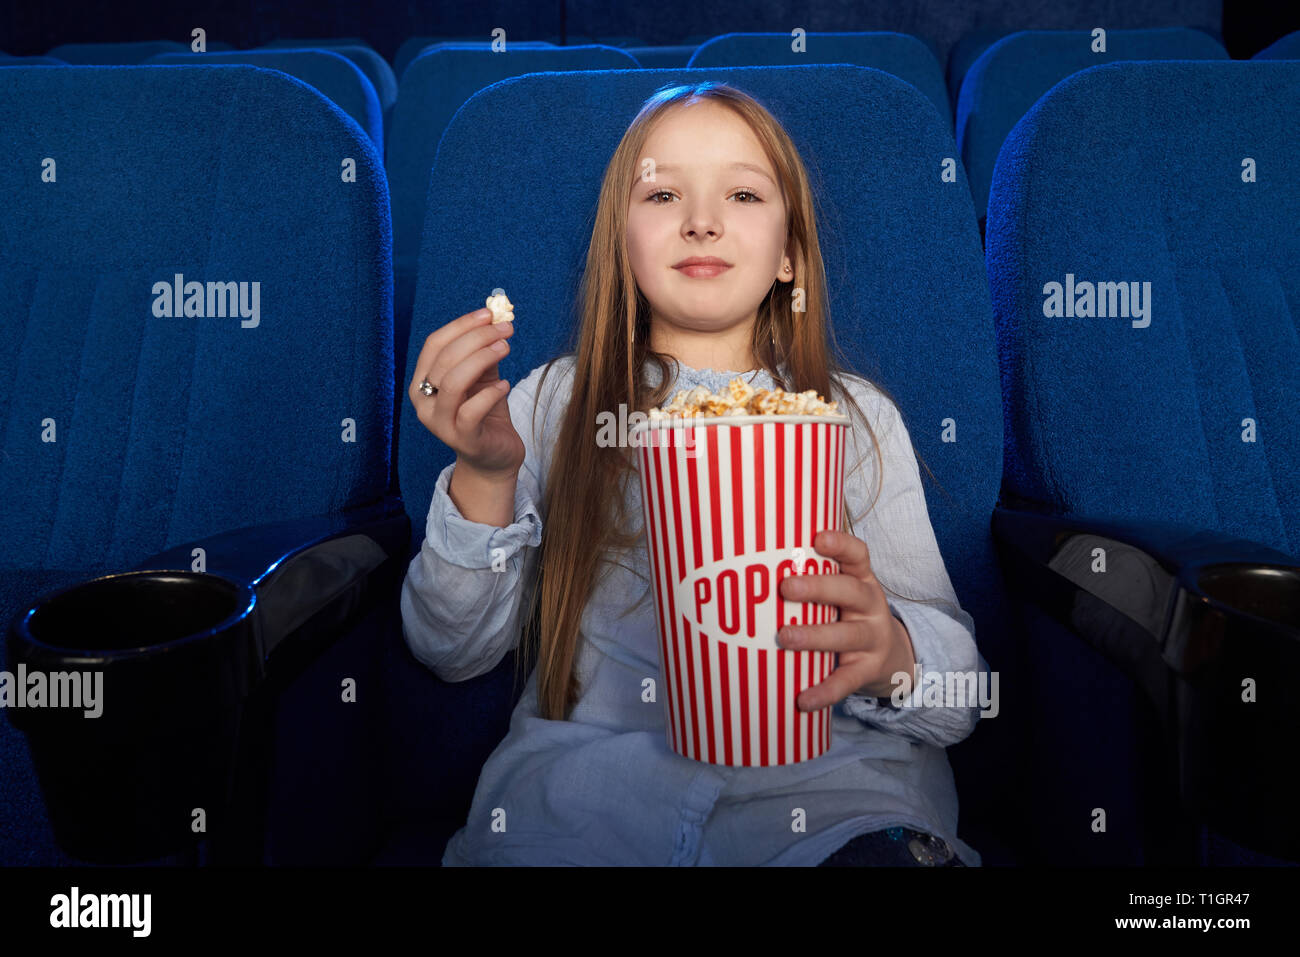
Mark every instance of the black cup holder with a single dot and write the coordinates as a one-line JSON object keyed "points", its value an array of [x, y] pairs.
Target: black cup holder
{"points": [[1270, 592], [175, 657], [135, 611]]}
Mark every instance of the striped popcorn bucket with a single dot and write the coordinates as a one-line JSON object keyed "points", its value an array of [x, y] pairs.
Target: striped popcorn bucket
{"points": [[731, 506]]}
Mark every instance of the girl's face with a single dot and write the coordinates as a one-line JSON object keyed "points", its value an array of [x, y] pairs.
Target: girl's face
{"points": [[705, 189]]}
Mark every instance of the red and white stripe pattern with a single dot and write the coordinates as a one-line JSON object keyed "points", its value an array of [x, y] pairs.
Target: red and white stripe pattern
{"points": [[725, 493]]}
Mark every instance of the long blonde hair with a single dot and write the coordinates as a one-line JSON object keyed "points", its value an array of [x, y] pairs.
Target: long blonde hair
{"points": [[587, 484]]}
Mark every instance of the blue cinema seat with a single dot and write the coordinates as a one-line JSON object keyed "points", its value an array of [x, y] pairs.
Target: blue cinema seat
{"points": [[433, 88], [1015, 71], [1285, 48], [661, 58], [327, 43], [334, 76], [7, 60], [412, 47], [897, 234], [965, 52], [904, 56], [1152, 488], [115, 54], [261, 436], [375, 67]]}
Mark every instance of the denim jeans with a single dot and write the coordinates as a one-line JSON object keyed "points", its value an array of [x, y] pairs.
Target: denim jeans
{"points": [[894, 847]]}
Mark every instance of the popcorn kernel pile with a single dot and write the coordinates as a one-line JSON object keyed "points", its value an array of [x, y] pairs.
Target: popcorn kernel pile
{"points": [[740, 398]]}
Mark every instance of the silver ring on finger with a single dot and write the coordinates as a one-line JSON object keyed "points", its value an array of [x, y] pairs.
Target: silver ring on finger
{"points": [[427, 388]]}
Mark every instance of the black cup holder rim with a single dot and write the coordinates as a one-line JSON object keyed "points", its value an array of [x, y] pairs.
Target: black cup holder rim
{"points": [[1193, 575], [245, 602]]}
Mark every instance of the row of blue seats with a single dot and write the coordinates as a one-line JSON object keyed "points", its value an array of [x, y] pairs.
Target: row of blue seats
{"points": [[993, 76], [179, 427], [1005, 75]]}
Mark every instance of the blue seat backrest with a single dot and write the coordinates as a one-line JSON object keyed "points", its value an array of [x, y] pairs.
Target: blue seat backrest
{"points": [[335, 76], [660, 58], [1286, 48], [172, 427], [7, 60], [898, 236], [375, 67], [1185, 414], [904, 56], [965, 52], [414, 46], [1015, 71], [114, 54], [433, 88], [909, 301]]}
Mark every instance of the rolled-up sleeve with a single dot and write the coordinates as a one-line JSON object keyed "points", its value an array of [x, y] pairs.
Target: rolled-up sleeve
{"points": [[465, 591], [905, 557]]}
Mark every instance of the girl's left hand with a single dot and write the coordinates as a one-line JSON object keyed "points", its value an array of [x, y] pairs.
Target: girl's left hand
{"points": [[873, 645]]}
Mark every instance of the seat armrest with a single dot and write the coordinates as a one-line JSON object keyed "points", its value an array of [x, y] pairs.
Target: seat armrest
{"points": [[311, 576], [1207, 625], [1178, 588]]}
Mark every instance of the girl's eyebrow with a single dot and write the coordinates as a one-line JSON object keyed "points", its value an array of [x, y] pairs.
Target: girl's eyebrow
{"points": [[673, 168]]}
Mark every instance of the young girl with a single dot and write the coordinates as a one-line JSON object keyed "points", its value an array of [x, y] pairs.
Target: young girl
{"points": [[585, 774]]}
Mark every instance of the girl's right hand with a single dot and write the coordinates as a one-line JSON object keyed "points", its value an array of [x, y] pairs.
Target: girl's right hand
{"points": [[469, 412]]}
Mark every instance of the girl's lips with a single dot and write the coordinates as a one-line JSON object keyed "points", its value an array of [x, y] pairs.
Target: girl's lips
{"points": [[702, 271]]}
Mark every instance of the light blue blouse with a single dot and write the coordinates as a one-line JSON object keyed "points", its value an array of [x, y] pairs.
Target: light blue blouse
{"points": [[604, 787]]}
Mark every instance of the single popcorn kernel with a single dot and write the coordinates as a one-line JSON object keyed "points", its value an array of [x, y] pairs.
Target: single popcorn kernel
{"points": [[502, 310], [740, 398]]}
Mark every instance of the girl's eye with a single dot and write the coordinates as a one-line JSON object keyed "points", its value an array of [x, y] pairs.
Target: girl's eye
{"points": [[754, 197]]}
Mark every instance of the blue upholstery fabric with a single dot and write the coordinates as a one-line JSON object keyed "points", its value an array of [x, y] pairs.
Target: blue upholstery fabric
{"points": [[327, 43], [965, 52], [904, 56], [1159, 435], [334, 76], [114, 54], [941, 23], [375, 67], [414, 46], [1287, 48], [129, 433], [897, 235], [1111, 421], [433, 88], [6, 60], [1016, 70], [660, 58]]}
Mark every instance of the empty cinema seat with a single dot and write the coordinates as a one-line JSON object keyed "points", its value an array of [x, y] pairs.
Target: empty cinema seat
{"points": [[375, 67], [7, 60], [197, 357], [433, 88], [904, 56], [1016, 70], [334, 76], [1287, 48], [521, 219], [660, 58], [414, 46], [965, 52], [316, 42], [1145, 292], [115, 54]]}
